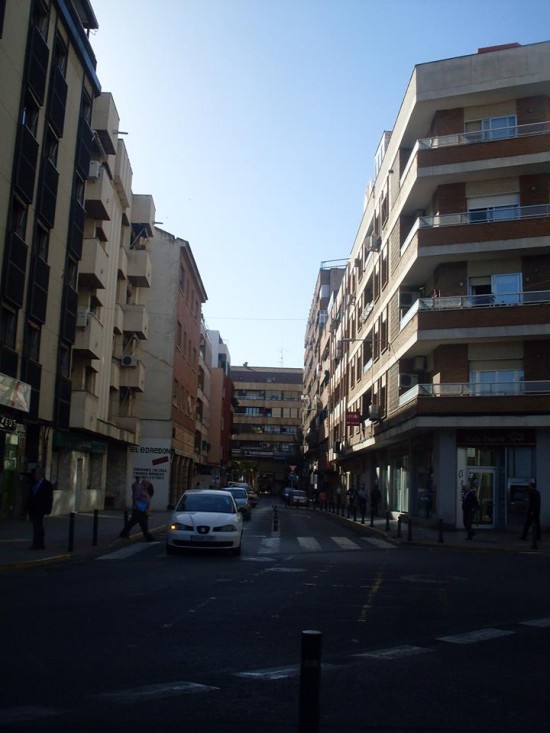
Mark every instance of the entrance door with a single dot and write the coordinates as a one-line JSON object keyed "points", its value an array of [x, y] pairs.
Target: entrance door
{"points": [[483, 480]]}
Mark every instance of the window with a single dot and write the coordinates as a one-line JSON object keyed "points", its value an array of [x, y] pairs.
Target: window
{"points": [[497, 381], [42, 239], [496, 289], [19, 219], [40, 19], [492, 128], [493, 208], [51, 146], [8, 327], [33, 343], [60, 56], [30, 115]]}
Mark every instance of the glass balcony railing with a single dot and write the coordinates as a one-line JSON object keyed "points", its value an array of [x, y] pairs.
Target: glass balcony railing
{"points": [[482, 136], [505, 213], [469, 389], [459, 302]]}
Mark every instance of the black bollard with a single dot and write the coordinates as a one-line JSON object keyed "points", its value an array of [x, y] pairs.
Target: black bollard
{"points": [[387, 521], [410, 531], [71, 532], [398, 527], [440, 531], [354, 513], [310, 678], [94, 533], [275, 519], [372, 517]]}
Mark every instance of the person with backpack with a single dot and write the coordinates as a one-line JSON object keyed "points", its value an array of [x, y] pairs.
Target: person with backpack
{"points": [[142, 491]]}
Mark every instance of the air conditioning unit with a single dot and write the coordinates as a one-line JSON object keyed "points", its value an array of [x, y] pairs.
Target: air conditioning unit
{"points": [[372, 243], [82, 318], [408, 380], [128, 361], [374, 412], [419, 363], [95, 170], [318, 370]]}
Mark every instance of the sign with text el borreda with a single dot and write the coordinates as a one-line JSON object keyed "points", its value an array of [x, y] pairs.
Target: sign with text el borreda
{"points": [[152, 460]]}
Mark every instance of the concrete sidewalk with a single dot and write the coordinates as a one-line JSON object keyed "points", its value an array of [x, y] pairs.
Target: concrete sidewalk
{"points": [[16, 537]]}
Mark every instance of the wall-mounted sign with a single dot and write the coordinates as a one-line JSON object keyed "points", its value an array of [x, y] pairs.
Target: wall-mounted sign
{"points": [[353, 419]]}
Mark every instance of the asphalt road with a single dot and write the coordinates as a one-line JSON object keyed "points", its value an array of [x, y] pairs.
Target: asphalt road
{"points": [[412, 639]]}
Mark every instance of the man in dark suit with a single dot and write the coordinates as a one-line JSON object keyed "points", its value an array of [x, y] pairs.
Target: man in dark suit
{"points": [[39, 503]]}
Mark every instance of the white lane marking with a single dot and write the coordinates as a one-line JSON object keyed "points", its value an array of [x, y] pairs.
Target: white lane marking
{"points": [[269, 544], [285, 570], [473, 637], [149, 692], [125, 552], [309, 543], [29, 712], [406, 650], [345, 543], [278, 673], [382, 544], [540, 622]]}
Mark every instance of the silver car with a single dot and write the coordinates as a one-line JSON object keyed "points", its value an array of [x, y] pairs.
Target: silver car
{"points": [[240, 495]]}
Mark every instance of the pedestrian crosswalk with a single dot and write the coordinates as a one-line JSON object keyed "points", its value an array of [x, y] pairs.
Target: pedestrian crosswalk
{"points": [[275, 544]]}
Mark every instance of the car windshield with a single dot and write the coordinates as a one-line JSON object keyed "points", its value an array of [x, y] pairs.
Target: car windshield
{"points": [[237, 492], [205, 503]]}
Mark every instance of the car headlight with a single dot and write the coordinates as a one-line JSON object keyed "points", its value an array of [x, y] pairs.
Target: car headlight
{"points": [[180, 526], [226, 528]]}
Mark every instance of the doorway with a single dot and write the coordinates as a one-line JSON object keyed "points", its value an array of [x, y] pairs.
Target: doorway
{"points": [[483, 481]]}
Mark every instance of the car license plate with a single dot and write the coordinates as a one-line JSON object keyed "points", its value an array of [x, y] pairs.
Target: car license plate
{"points": [[198, 537]]}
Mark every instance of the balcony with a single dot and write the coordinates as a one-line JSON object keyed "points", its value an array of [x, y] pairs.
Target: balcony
{"points": [[491, 225], [133, 377], [492, 397], [114, 384], [99, 197], [83, 410], [123, 175], [122, 263], [88, 336], [139, 268], [136, 320], [118, 323], [468, 302], [92, 270]]}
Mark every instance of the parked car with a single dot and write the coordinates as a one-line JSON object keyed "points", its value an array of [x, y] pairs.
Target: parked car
{"points": [[207, 519], [298, 498], [240, 495], [253, 497], [287, 491]]}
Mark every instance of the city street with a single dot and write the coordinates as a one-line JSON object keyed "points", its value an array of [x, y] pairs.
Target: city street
{"points": [[413, 639]]}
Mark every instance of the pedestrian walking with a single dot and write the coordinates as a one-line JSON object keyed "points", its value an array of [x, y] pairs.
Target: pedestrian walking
{"points": [[142, 491], [39, 504], [533, 512], [470, 505], [375, 497], [351, 497]]}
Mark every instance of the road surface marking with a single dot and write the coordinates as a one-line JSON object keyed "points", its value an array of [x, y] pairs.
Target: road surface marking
{"points": [[269, 544], [345, 543], [540, 622], [309, 543], [168, 689], [125, 552], [472, 637], [406, 650], [29, 712], [382, 544]]}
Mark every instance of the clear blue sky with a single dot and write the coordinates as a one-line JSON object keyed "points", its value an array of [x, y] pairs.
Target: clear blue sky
{"points": [[254, 123]]}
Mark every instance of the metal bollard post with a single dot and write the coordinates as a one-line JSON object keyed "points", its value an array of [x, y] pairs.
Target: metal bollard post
{"points": [[387, 521], [71, 532], [371, 517], [94, 533], [410, 531], [275, 519], [534, 546], [440, 531], [354, 513], [310, 678], [398, 527]]}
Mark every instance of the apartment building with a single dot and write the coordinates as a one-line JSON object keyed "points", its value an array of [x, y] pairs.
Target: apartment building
{"points": [[440, 331], [267, 444], [49, 83], [174, 409], [221, 412], [316, 401]]}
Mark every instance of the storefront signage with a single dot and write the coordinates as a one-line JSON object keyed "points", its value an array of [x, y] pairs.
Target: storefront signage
{"points": [[14, 393], [152, 460], [7, 424], [353, 419], [495, 437]]}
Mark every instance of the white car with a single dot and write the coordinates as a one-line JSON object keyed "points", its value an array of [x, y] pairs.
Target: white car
{"points": [[207, 519]]}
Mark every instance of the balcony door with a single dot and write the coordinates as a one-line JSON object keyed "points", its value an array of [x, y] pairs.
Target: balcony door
{"points": [[496, 289]]}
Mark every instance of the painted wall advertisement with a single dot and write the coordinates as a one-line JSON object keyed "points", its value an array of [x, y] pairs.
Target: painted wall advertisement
{"points": [[151, 460]]}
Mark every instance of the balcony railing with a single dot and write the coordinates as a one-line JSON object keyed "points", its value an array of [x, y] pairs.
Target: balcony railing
{"points": [[469, 389], [489, 300], [483, 136], [479, 216]]}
